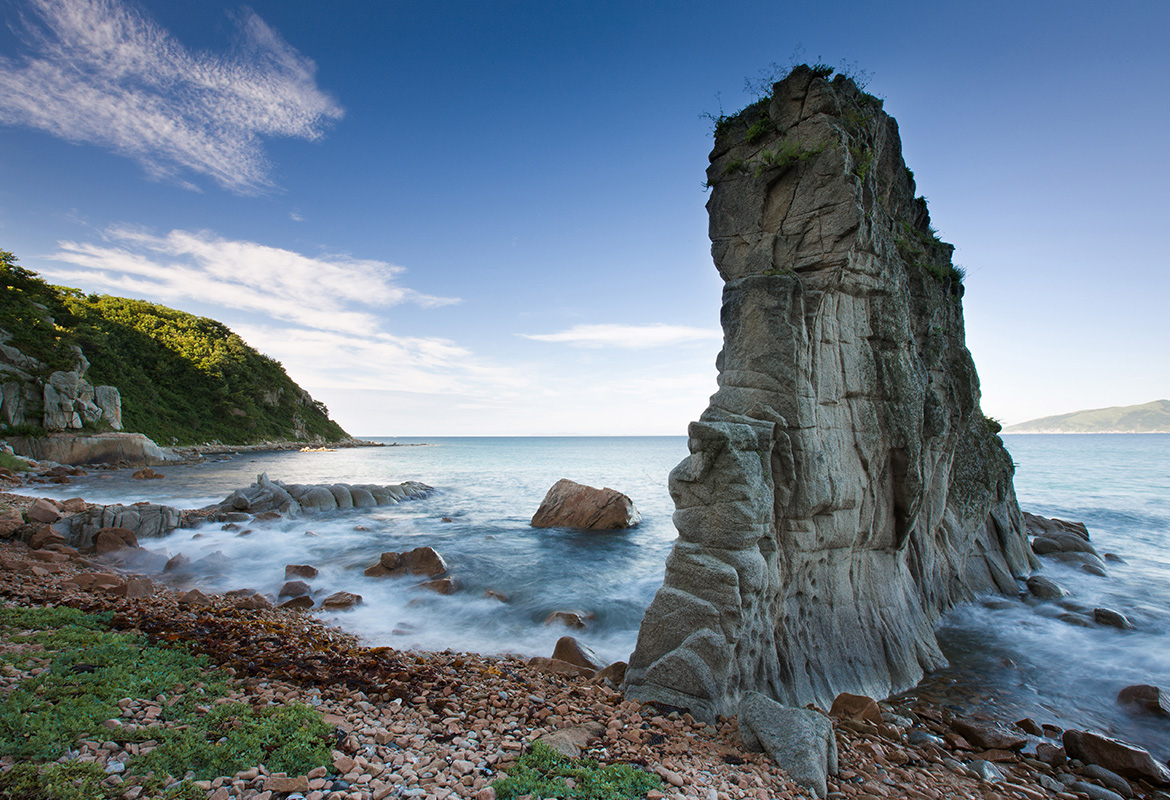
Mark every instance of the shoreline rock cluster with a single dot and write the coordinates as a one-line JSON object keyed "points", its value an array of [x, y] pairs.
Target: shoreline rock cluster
{"points": [[443, 725]]}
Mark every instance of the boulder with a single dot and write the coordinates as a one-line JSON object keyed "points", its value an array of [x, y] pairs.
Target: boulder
{"points": [[554, 666], [107, 540], [569, 649], [341, 600], [44, 511], [1109, 778], [1143, 698], [92, 448], [300, 571], [856, 706], [419, 561], [194, 598], [571, 505], [615, 673], [294, 589], [1045, 588], [1124, 759], [300, 603], [799, 740], [843, 489], [10, 521]]}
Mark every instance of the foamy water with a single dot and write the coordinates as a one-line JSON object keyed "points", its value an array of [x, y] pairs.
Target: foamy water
{"points": [[1012, 656]]}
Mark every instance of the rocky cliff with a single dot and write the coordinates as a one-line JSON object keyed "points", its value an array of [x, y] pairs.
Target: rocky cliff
{"points": [[180, 379], [843, 488]]}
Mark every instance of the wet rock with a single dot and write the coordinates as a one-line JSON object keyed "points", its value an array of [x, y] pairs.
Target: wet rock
{"points": [[299, 603], [1144, 698], [800, 741], [1094, 569], [44, 537], [440, 586], [1114, 619], [569, 504], [987, 735], [494, 595], [570, 619], [1094, 791], [294, 589], [856, 706], [1077, 620], [300, 571], [1045, 588], [341, 600], [1124, 759], [1109, 778], [986, 771], [919, 737], [147, 474], [107, 540], [1030, 726], [571, 650], [419, 561], [179, 561]]}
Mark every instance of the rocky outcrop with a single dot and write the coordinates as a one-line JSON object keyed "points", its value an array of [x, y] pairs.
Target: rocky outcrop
{"points": [[843, 488], [131, 449], [569, 504], [62, 401], [142, 520], [292, 498]]}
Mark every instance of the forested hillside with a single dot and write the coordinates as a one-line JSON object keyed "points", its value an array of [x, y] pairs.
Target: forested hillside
{"points": [[183, 379]]}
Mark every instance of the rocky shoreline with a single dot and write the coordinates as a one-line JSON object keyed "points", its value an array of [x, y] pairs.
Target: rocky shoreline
{"points": [[439, 725]]}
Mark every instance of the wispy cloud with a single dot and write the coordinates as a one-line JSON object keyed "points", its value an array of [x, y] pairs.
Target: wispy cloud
{"points": [[629, 336], [96, 71], [327, 293]]}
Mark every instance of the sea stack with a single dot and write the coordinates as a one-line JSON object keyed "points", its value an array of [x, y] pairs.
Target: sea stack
{"points": [[843, 489]]}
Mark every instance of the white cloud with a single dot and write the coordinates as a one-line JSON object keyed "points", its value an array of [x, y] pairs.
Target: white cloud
{"points": [[326, 293], [102, 73], [629, 336]]}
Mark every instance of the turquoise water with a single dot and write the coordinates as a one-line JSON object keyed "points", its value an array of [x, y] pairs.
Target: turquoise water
{"points": [[1011, 656]]}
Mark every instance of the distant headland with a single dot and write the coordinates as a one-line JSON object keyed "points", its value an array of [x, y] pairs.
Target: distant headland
{"points": [[1151, 417]]}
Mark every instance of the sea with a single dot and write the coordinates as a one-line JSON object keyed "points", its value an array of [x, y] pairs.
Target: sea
{"points": [[1010, 658]]}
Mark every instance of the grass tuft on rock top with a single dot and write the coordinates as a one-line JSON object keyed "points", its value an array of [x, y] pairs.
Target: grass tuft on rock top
{"points": [[14, 463], [87, 669], [542, 772]]}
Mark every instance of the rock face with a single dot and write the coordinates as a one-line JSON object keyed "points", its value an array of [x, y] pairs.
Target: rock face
{"points": [[63, 401], [569, 504], [843, 488]]}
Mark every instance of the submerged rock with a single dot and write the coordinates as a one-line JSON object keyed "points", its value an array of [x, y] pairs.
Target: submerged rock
{"points": [[843, 488], [1145, 698], [572, 505]]}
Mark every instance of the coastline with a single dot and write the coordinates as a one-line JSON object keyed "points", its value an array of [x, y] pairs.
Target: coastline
{"points": [[393, 708], [416, 721]]}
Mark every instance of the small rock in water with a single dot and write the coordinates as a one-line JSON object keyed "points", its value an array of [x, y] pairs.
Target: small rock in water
{"points": [[1114, 619], [1030, 727], [569, 504], [1095, 569], [1145, 698], [300, 571], [1115, 559], [494, 595], [341, 600], [1045, 588], [570, 619], [294, 589], [1124, 759]]}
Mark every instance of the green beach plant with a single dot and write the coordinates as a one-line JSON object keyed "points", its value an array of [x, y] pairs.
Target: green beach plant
{"points": [[542, 772]]}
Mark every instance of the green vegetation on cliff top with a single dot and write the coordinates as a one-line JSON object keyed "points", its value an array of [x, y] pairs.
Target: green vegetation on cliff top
{"points": [[1145, 418], [183, 379]]}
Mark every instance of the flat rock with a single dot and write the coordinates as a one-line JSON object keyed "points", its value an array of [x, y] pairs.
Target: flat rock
{"points": [[569, 504], [800, 741], [987, 736]]}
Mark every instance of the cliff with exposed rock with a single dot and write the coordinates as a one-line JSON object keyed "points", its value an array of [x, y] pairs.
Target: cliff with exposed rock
{"points": [[843, 488]]}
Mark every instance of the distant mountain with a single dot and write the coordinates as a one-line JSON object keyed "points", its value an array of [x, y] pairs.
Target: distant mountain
{"points": [[1147, 418]]}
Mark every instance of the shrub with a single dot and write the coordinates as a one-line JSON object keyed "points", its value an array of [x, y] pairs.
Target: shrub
{"points": [[541, 772]]}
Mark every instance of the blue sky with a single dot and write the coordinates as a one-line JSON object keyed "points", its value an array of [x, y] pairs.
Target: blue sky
{"points": [[487, 218]]}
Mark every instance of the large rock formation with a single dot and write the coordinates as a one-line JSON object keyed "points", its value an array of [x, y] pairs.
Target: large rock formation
{"points": [[62, 401], [843, 488]]}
